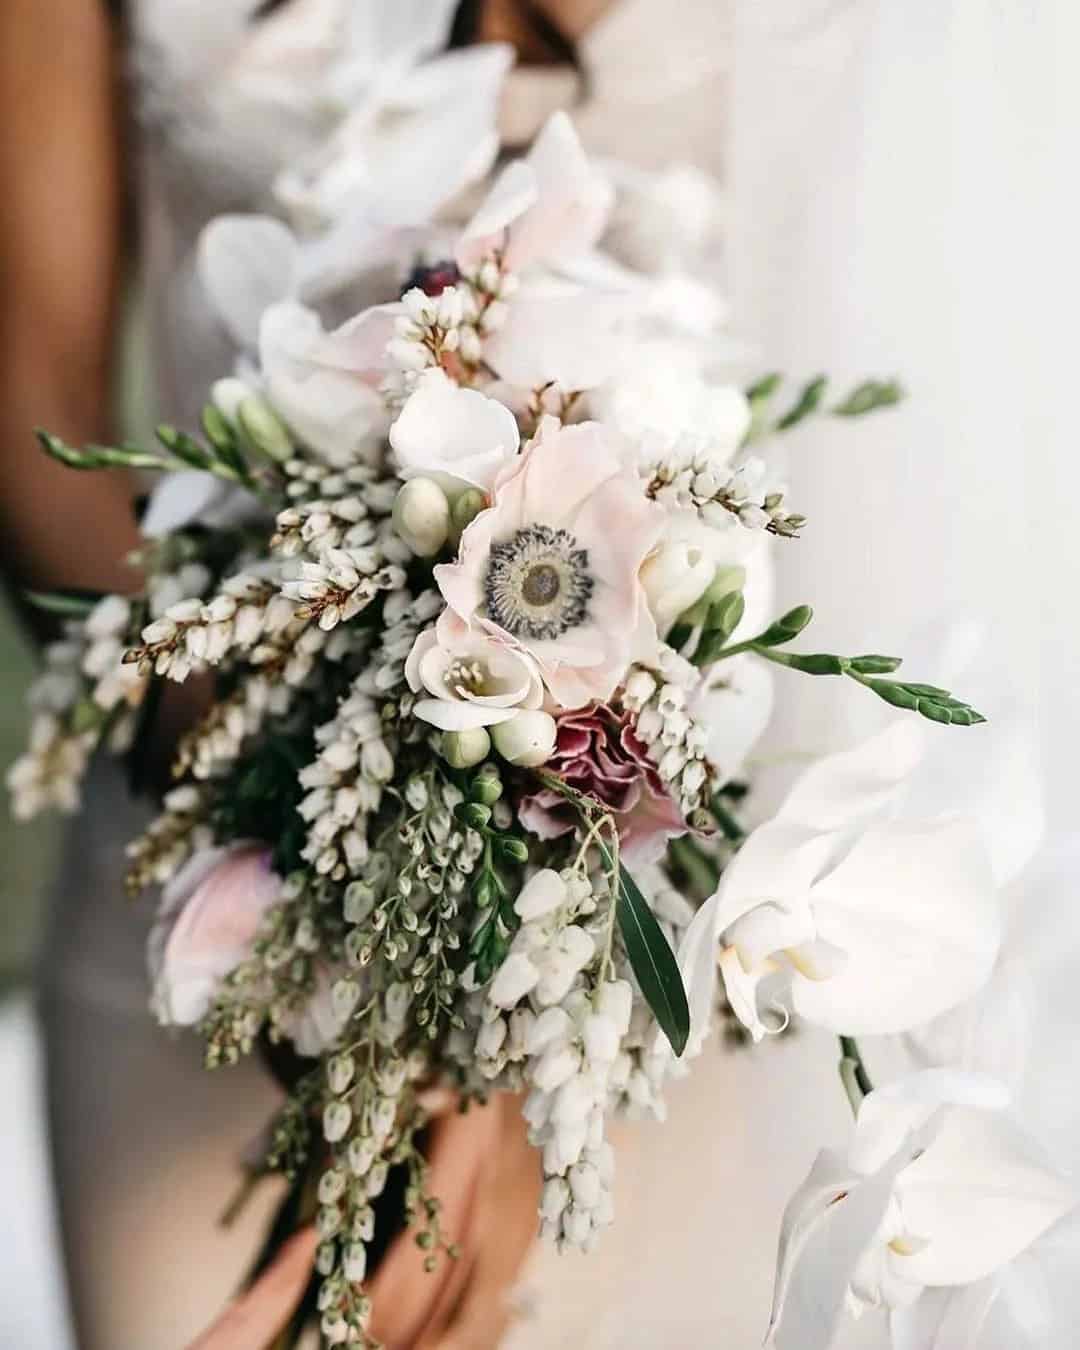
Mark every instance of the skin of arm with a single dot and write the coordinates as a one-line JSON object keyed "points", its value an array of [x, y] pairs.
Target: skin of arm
{"points": [[60, 267]]}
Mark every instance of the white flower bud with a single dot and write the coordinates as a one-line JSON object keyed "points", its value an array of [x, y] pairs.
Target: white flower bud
{"points": [[514, 979], [585, 1185], [336, 1121], [527, 740], [552, 1027], [601, 1038], [490, 1038], [422, 516], [541, 895], [463, 749], [555, 1066], [674, 578], [355, 1263], [227, 395]]}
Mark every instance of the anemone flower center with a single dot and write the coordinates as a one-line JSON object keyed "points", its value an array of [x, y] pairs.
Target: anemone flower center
{"points": [[538, 583]]}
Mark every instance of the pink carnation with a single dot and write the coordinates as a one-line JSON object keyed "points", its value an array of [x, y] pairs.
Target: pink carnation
{"points": [[598, 753]]}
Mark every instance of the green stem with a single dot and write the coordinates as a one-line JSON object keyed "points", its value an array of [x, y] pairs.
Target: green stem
{"points": [[853, 1074]]}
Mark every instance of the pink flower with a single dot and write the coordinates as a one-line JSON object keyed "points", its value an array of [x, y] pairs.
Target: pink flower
{"points": [[210, 913], [598, 753], [552, 566]]}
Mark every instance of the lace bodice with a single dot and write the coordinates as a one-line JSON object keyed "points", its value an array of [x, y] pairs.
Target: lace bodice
{"points": [[225, 100]]}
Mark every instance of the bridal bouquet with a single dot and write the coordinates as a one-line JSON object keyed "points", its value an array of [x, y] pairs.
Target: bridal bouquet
{"points": [[482, 578]]}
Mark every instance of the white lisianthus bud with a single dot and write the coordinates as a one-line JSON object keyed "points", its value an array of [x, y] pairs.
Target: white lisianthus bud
{"points": [[674, 578], [527, 740], [227, 395], [463, 749], [422, 516]]}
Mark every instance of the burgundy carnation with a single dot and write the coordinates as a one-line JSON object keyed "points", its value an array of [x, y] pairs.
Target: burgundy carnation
{"points": [[598, 753]]}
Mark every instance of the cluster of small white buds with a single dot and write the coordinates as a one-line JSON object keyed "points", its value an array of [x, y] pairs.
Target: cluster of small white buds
{"points": [[673, 739], [49, 774], [544, 1014], [695, 475], [170, 838], [308, 479], [311, 528], [340, 584], [345, 784], [193, 633]]}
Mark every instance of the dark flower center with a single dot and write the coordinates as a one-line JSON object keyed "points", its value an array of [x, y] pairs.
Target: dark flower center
{"points": [[538, 583]]}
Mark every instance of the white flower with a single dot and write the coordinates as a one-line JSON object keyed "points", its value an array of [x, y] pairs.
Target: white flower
{"points": [[548, 207], [334, 411], [939, 1187], [456, 436], [544, 568], [469, 678], [872, 925], [675, 577]]}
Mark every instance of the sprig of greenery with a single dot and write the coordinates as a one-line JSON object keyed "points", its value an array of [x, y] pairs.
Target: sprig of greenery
{"points": [[866, 397], [870, 670], [491, 939]]}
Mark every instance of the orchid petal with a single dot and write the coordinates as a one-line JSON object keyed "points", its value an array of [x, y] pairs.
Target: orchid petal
{"points": [[914, 908], [246, 264], [982, 1193]]}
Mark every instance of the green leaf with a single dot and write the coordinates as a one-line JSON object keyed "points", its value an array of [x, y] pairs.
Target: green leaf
{"points": [[222, 437], [71, 604], [184, 447], [764, 388], [869, 396], [651, 958], [809, 401]]}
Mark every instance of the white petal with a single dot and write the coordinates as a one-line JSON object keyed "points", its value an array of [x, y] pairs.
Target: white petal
{"points": [[178, 499], [573, 339], [982, 1193], [514, 191], [827, 1225], [449, 433], [247, 264], [916, 912], [844, 790]]}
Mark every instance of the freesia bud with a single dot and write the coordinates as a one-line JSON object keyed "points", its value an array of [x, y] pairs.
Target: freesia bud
{"points": [[674, 578], [527, 740], [422, 516], [265, 429], [726, 581], [227, 396], [466, 508], [463, 749]]}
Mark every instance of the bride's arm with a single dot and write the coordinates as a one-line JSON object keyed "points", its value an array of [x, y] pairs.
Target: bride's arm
{"points": [[60, 255]]}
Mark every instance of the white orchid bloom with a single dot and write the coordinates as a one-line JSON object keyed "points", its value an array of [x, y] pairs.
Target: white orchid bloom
{"points": [[334, 411], [416, 126], [938, 1188], [542, 210], [867, 924], [458, 437]]}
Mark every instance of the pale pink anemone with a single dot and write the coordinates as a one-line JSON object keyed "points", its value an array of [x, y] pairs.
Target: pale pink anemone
{"points": [[210, 914], [468, 678], [598, 753], [551, 567]]}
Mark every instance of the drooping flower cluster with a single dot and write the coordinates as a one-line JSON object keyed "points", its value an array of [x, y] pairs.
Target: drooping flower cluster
{"points": [[465, 571]]}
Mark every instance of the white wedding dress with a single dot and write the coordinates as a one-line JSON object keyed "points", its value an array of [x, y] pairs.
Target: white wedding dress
{"points": [[858, 245]]}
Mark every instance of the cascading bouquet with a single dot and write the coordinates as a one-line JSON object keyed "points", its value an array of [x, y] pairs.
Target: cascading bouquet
{"points": [[481, 576]]}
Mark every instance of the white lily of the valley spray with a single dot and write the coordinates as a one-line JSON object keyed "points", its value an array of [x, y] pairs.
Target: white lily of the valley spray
{"points": [[866, 924], [939, 1187]]}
